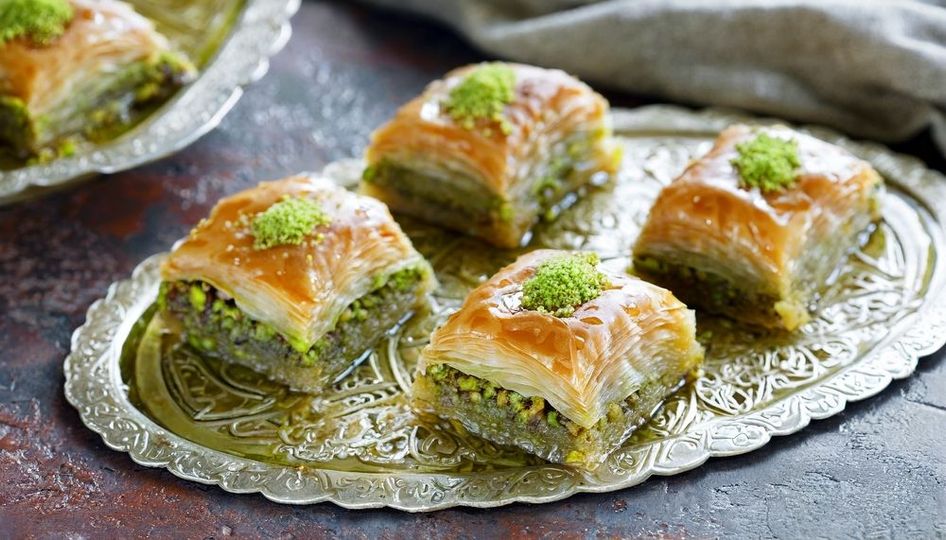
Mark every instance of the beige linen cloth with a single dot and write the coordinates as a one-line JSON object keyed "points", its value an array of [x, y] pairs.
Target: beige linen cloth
{"points": [[871, 68]]}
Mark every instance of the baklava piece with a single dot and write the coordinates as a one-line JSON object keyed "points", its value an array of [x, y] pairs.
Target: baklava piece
{"points": [[295, 279], [492, 148], [756, 227], [78, 69], [558, 357]]}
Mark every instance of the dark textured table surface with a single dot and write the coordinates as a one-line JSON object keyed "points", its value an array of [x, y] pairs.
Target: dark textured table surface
{"points": [[876, 470]]}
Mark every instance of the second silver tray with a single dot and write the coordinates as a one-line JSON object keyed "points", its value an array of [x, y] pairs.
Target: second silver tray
{"points": [[259, 29]]}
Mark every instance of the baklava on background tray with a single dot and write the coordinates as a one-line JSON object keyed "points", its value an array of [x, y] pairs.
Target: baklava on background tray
{"points": [[295, 279], [557, 357], [78, 69], [756, 227], [492, 148]]}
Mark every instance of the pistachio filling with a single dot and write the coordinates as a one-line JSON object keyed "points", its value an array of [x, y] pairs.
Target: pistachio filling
{"points": [[213, 323], [708, 290], [16, 127], [563, 283], [101, 109], [526, 410], [531, 422], [767, 163], [465, 198]]}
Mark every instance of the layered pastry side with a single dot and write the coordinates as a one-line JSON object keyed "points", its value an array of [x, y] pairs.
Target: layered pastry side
{"points": [[491, 149], [558, 357], [758, 226], [295, 279], [73, 70]]}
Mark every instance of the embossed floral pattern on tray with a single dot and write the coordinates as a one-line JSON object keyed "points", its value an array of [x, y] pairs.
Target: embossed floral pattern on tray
{"points": [[361, 446], [261, 30]]}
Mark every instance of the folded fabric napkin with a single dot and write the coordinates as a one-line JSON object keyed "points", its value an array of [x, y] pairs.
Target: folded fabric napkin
{"points": [[872, 68]]}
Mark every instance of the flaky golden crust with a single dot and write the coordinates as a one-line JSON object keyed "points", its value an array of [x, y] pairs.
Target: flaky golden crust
{"points": [[633, 332], [548, 105], [759, 239], [298, 289], [102, 34]]}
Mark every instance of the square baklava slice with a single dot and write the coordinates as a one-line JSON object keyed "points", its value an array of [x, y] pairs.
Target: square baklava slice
{"points": [[78, 69], [295, 279], [492, 148], [756, 227], [558, 357]]}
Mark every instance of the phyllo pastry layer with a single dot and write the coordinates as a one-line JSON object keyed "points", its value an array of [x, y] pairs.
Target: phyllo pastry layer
{"points": [[757, 226], [491, 148], [78, 68], [295, 278], [557, 357]]}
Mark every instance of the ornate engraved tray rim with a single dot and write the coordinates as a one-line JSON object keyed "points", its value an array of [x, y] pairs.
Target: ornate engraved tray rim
{"points": [[261, 30], [95, 388]]}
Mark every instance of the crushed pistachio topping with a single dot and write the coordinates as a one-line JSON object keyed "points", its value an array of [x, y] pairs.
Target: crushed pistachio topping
{"points": [[39, 20], [767, 163], [483, 94], [564, 283], [287, 222]]}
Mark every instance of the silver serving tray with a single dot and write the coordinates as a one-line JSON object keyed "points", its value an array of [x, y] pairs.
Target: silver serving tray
{"points": [[360, 446], [260, 31]]}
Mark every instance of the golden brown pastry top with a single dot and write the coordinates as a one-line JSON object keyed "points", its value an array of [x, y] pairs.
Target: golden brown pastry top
{"points": [[298, 289], [706, 210], [102, 33], [548, 105], [604, 352]]}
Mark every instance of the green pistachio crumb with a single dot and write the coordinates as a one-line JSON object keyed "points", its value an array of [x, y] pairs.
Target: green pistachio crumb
{"points": [[41, 21], [506, 212], [370, 172], [516, 400], [467, 383], [767, 163], [536, 406], [574, 457], [163, 295], [483, 94], [548, 187], [404, 280], [201, 343], [287, 222], [438, 372], [378, 281], [552, 418], [197, 296], [299, 345], [263, 332], [564, 283], [315, 352], [67, 148]]}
